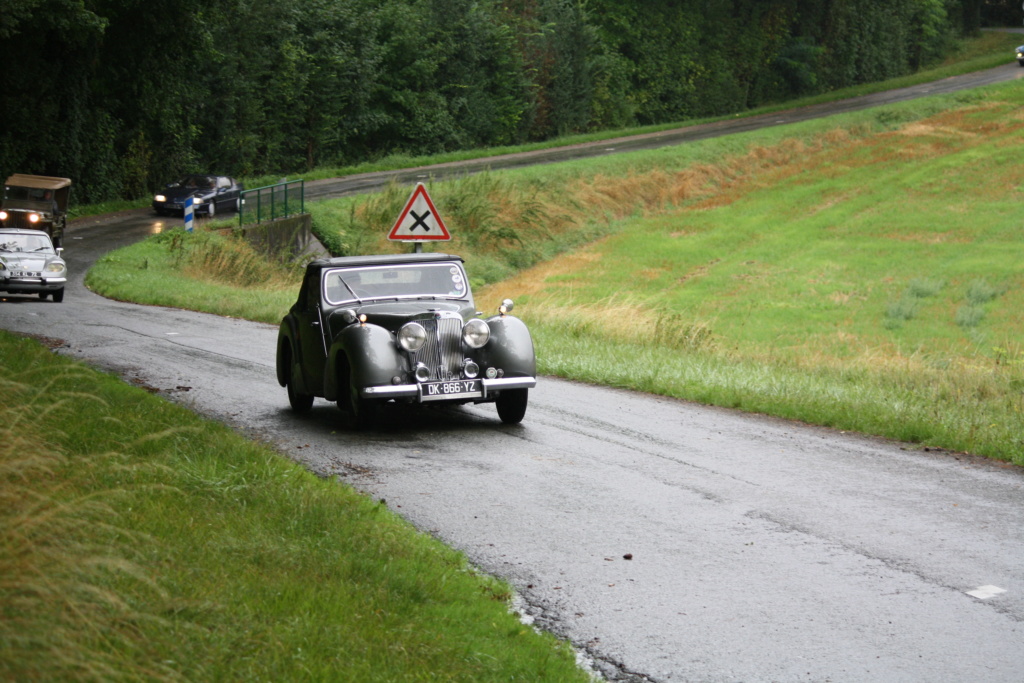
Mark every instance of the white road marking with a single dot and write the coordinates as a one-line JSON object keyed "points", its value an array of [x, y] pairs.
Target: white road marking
{"points": [[986, 592]]}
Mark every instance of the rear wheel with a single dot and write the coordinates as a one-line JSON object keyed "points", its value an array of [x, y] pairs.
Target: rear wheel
{"points": [[58, 296], [511, 405], [300, 402]]}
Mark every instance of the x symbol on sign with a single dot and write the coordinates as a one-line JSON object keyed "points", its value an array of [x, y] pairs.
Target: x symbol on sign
{"points": [[419, 221]]}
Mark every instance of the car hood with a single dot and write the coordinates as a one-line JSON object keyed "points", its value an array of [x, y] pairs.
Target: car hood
{"points": [[20, 260], [392, 315], [173, 193]]}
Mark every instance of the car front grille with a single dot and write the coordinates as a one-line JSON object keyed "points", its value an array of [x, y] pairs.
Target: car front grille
{"points": [[442, 352], [19, 219]]}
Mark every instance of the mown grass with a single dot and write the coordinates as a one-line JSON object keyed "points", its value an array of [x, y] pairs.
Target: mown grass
{"points": [[858, 272], [989, 50], [140, 542]]}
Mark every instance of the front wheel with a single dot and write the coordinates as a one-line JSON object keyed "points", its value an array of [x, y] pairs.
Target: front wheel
{"points": [[211, 209], [364, 411], [511, 405], [58, 296], [43, 295]]}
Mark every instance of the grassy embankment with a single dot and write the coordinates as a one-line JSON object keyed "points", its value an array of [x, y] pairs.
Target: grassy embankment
{"points": [[986, 51], [141, 542], [860, 272]]}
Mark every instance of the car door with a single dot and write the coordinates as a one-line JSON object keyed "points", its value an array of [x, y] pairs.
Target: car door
{"points": [[310, 330]]}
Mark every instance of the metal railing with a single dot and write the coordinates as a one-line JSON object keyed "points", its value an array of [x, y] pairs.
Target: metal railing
{"points": [[286, 198]]}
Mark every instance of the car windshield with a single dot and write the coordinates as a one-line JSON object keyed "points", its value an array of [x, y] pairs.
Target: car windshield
{"points": [[33, 243], [196, 181], [407, 281], [34, 194]]}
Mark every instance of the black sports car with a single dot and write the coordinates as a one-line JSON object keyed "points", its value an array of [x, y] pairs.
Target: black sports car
{"points": [[210, 194]]}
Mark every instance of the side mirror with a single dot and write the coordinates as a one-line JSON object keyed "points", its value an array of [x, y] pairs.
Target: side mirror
{"points": [[506, 306], [60, 250]]}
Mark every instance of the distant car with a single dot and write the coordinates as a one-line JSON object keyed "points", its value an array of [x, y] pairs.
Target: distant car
{"points": [[1020, 55], [366, 330], [210, 194], [29, 264], [36, 202]]}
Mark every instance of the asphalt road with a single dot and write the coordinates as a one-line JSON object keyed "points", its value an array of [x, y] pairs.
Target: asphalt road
{"points": [[668, 541]]}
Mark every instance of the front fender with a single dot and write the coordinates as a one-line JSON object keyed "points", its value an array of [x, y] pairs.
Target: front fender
{"points": [[510, 347], [365, 355]]}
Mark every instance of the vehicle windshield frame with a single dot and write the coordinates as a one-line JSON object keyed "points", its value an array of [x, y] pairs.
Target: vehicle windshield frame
{"points": [[345, 285]]}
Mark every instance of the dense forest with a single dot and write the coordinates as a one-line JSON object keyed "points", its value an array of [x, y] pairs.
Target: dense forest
{"points": [[122, 95]]}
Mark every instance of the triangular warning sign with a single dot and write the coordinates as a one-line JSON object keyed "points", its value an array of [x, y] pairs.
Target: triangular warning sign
{"points": [[419, 219]]}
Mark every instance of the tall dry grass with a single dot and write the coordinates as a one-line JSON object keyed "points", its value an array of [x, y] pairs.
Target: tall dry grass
{"points": [[62, 553], [210, 256]]}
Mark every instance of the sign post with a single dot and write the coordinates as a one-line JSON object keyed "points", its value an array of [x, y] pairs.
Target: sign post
{"points": [[189, 212], [419, 221]]}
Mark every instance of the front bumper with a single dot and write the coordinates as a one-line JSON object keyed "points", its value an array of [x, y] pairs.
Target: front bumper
{"points": [[176, 208], [389, 391], [31, 285]]}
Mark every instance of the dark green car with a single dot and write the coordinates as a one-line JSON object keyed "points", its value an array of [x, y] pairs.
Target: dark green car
{"points": [[366, 330]]}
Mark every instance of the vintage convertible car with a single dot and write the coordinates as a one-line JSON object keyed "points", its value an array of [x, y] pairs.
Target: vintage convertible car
{"points": [[366, 330], [30, 265], [210, 194]]}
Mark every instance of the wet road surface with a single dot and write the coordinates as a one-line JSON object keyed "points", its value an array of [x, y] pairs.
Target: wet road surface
{"points": [[669, 541]]}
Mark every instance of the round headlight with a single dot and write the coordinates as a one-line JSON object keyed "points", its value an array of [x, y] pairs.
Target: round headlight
{"points": [[3, 215], [33, 218], [421, 372], [476, 333], [412, 336], [55, 268]]}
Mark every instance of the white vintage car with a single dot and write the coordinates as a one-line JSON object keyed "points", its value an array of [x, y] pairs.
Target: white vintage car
{"points": [[30, 265]]}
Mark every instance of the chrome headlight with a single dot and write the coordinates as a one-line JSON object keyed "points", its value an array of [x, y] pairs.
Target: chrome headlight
{"points": [[55, 268], [160, 198], [476, 333], [33, 218], [421, 372], [3, 215], [412, 336]]}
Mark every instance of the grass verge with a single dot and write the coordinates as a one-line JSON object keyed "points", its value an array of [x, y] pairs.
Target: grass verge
{"points": [[140, 542]]}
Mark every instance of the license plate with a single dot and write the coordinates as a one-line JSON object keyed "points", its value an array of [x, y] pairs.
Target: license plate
{"points": [[442, 391], [24, 273]]}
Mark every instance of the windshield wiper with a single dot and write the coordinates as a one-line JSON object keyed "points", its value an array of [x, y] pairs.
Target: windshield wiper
{"points": [[350, 290]]}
